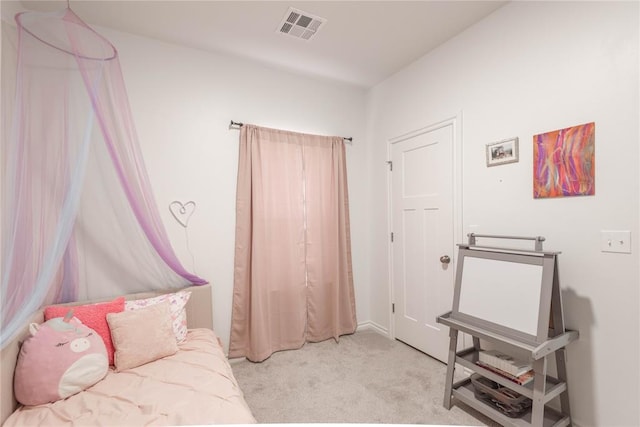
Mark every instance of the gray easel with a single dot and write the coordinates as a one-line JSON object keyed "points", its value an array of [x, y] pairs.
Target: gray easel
{"points": [[547, 337]]}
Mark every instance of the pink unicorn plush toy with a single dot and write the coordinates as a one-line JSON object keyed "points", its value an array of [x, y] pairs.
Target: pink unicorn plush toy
{"points": [[61, 358]]}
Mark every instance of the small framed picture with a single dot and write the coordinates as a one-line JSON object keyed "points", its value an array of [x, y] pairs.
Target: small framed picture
{"points": [[502, 152]]}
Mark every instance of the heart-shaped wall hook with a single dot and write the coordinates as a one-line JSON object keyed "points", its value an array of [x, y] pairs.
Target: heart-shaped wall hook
{"points": [[182, 211]]}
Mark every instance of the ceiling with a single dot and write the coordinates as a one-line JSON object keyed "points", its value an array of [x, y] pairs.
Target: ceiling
{"points": [[361, 42]]}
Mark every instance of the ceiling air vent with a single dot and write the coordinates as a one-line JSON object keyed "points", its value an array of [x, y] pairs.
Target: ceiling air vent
{"points": [[299, 24]]}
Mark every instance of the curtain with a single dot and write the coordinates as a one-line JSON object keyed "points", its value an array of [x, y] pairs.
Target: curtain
{"points": [[293, 278]]}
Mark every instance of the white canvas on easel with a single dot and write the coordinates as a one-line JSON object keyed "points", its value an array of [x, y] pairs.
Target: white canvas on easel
{"points": [[507, 291], [502, 292]]}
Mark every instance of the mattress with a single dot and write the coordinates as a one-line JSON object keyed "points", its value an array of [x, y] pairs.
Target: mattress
{"points": [[195, 386]]}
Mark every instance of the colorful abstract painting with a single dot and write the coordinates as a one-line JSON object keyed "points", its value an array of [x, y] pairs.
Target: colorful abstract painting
{"points": [[564, 162]]}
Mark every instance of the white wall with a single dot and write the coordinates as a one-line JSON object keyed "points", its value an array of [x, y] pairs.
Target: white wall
{"points": [[183, 100], [529, 68]]}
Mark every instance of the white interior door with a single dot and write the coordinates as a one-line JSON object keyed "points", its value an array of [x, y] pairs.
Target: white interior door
{"points": [[423, 235]]}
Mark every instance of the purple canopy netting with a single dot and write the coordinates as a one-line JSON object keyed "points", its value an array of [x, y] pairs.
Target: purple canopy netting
{"points": [[79, 218]]}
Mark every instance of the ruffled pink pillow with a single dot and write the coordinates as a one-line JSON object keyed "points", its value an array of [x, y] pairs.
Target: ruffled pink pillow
{"points": [[93, 316]]}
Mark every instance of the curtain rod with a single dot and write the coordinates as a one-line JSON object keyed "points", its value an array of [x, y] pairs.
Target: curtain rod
{"points": [[239, 124]]}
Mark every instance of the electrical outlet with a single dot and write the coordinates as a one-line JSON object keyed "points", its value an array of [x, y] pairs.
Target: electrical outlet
{"points": [[616, 241]]}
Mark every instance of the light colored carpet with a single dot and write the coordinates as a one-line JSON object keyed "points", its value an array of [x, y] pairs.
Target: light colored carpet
{"points": [[365, 378]]}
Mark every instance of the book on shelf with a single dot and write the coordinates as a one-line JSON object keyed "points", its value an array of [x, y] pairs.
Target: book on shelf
{"points": [[504, 362], [520, 379]]}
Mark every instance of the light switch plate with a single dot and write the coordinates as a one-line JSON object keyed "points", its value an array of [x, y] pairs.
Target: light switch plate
{"points": [[616, 241]]}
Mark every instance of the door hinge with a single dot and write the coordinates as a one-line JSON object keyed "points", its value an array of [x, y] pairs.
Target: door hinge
{"points": [[393, 308], [392, 237], [390, 163]]}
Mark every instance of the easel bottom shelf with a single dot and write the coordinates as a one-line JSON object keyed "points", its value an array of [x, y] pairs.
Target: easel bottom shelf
{"points": [[552, 418]]}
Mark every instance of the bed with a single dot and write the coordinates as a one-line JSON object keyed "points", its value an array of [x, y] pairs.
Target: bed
{"points": [[194, 386]]}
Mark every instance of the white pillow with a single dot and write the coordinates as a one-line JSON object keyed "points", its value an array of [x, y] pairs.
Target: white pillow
{"points": [[177, 302]]}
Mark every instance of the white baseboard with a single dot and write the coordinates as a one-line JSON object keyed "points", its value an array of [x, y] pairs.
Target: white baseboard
{"points": [[363, 326], [236, 360], [369, 325]]}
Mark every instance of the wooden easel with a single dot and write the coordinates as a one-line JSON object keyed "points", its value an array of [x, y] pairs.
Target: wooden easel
{"points": [[549, 339]]}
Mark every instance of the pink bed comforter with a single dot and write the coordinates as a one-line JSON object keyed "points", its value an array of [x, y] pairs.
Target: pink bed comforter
{"points": [[194, 386]]}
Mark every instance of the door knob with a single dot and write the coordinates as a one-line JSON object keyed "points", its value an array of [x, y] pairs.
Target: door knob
{"points": [[445, 259]]}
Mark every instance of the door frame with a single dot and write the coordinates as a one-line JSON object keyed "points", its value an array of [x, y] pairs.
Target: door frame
{"points": [[456, 122]]}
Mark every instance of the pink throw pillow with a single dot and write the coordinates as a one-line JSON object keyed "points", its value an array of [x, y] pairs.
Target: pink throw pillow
{"points": [[142, 336], [93, 316]]}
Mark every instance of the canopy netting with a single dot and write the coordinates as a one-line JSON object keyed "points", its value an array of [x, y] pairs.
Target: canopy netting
{"points": [[79, 218]]}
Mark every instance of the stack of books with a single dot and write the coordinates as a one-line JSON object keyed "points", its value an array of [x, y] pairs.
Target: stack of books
{"points": [[506, 366]]}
